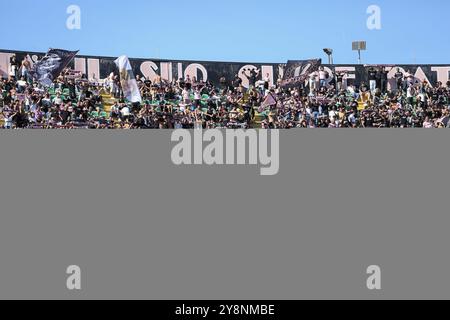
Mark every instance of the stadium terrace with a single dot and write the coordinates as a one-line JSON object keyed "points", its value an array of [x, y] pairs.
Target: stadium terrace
{"points": [[63, 90]]}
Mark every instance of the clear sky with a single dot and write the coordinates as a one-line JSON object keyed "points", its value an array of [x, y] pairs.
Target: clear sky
{"points": [[233, 30]]}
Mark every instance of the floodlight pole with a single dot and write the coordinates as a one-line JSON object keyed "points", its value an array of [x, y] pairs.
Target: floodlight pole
{"points": [[329, 53], [359, 46]]}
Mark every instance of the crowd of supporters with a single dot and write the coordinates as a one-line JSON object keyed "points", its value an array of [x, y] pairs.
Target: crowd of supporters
{"points": [[75, 102]]}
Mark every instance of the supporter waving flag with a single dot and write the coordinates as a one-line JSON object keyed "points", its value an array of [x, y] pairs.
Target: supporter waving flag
{"points": [[46, 70], [269, 101], [127, 80]]}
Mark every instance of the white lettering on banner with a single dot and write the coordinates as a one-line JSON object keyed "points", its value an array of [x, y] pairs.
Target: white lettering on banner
{"points": [[170, 70], [93, 69], [244, 71], [268, 70], [80, 65], [148, 69], [166, 71], [180, 71], [442, 73], [420, 75], [191, 71], [4, 64], [392, 83], [349, 74]]}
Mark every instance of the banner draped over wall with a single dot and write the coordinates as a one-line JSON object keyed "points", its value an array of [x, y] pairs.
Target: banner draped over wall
{"points": [[101, 67]]}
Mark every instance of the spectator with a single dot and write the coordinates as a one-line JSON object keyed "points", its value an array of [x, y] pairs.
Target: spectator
{"points": [[189, 103]]}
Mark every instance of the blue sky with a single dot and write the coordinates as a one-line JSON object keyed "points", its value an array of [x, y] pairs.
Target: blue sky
{"points": [[233, 30]]}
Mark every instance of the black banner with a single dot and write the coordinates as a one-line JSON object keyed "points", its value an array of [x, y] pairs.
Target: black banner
{"points": [[102, 67], [51, 65], [298, 71]]}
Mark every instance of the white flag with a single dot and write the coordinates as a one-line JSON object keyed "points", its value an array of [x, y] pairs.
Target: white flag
{"points": [[127, 80], [269, 101]]}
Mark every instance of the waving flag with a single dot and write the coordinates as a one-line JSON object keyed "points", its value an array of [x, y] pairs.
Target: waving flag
{"points": [[268, 102], [46, 70], [127, 80], [298, 71]]}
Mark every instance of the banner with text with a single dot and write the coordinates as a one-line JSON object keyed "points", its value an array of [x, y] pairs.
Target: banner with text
{"points": [[100, 67]]}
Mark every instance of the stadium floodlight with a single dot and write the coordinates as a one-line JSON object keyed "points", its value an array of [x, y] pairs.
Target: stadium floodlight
{"points": [[329, 53], [359, 46]]}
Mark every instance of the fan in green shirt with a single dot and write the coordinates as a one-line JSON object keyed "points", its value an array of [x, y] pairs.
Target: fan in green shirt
{"points": [[94, 114]]}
